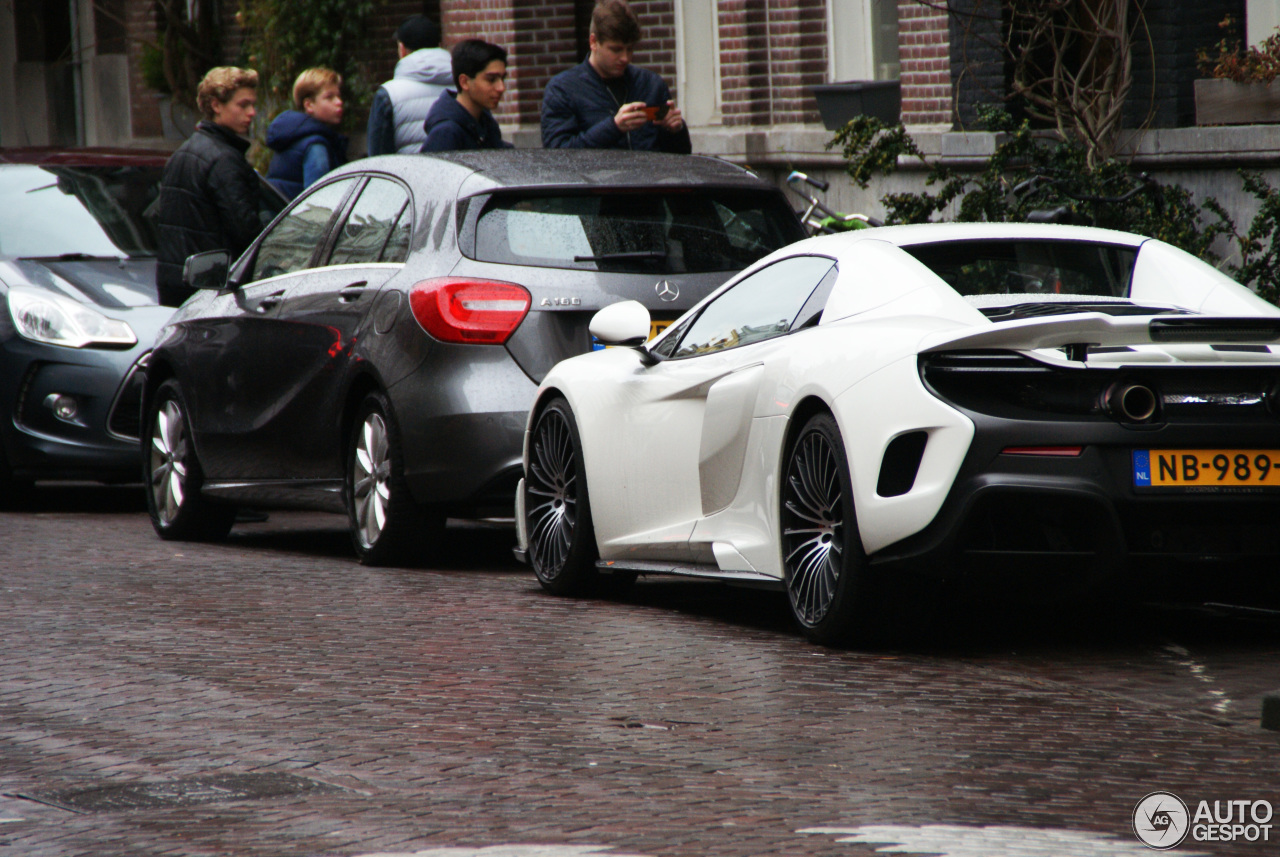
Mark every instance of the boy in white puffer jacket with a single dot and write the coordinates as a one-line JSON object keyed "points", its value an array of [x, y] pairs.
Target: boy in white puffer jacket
{"points": [[401, 104]]}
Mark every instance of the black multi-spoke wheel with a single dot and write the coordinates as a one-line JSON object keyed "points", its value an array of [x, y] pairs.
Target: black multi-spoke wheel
{"points": [[387, 526], [173, 475], [823, 561], [562, 546]]}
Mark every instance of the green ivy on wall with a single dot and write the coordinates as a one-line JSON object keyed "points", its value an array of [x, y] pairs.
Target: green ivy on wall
{"points": [[283, 37]]}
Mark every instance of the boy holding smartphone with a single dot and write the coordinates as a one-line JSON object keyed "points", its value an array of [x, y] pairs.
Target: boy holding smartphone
{"points": [[608, 103]]}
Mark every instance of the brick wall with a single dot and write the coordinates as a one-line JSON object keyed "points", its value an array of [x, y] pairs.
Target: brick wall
{"points": [[657, 48], [140, 23], [377, 58], [744, 62], [798, 58], [144, 114], [540, 38], [924, 50]]}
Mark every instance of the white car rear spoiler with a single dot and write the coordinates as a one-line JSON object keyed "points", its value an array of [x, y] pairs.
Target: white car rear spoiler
{"points": [[1078, 331]]}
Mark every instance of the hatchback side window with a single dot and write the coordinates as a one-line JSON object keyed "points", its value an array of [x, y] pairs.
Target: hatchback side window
{"points": [[762, 306], [291, 242], [371, 224]]}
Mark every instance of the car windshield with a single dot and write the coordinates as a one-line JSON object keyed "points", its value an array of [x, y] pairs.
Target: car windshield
{"points": [[57, 211], [1030, 267], [651, 231]]}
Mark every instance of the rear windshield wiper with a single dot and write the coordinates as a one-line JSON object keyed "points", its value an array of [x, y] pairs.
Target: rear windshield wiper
{"points": [[618, 257], [76, 257]]}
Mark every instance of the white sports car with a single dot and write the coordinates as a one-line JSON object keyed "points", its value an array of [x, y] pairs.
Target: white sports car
{"points": [[858, 410]]}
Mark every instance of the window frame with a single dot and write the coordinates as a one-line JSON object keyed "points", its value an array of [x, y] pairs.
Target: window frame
{"points": [[348, 208], [682, 329], [245, 269]]}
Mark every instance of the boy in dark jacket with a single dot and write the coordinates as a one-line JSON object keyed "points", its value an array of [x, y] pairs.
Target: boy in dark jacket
{"points": [[306, 140], [209, 194], [608, 103], [464, 119]]}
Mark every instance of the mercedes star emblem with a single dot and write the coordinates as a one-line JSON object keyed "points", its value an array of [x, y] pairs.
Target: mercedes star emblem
{"points": [[667, 290]]}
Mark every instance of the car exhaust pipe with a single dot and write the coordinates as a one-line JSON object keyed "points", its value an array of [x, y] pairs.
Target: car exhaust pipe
{"points": [[1132, 403]]}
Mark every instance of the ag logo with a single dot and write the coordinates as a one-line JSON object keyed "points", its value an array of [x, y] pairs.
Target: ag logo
{"points": [[1161, 821], [667, 290]]}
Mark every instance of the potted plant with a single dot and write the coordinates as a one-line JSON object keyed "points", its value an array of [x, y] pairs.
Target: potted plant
{"points": [[1239, 88], [840, 102]]}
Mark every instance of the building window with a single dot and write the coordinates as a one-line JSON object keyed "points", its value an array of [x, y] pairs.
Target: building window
{"points": [[863, 39]]}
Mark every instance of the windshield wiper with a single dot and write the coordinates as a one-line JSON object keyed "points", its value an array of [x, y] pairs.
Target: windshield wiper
{"points": [[617, 257]]}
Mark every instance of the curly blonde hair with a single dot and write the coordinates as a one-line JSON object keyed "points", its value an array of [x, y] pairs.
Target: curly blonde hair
{"points": [[220, 84]]}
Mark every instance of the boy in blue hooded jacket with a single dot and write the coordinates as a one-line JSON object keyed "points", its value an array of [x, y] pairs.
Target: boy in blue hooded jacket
{"points": [[463, 119], [306, 141]]}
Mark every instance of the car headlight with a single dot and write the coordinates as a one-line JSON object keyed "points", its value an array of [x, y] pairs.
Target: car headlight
{"points": [[47, 317]]}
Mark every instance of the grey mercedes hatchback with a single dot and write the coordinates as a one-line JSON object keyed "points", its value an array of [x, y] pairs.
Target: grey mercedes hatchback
{"points": [[376, 351]]}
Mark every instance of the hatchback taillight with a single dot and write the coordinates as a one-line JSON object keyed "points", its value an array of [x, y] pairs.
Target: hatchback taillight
{"points": [[461, 309]]}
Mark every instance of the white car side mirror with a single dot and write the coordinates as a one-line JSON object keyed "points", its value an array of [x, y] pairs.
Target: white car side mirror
{"points": [[623, 323]]}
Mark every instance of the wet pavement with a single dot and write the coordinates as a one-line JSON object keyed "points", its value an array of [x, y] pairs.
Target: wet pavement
{"points": [[270, 696]]}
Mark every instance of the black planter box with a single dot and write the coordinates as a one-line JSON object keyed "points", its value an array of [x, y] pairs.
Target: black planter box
{"points": [[840, 102]]}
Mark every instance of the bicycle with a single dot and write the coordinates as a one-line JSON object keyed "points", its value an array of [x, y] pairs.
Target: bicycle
{"points": [[817, 218]]}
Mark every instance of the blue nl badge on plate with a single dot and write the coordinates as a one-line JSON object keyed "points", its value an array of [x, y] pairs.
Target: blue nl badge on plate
{"points": [[1142, 468]]}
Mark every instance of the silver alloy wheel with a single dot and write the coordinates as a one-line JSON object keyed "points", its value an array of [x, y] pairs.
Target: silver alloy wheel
{"points": [[553, 482], [371, 489], [169, 461], [813, 527]]}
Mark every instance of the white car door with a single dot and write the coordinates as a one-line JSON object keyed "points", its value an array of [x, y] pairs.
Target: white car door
{"points": [[682, 437]]}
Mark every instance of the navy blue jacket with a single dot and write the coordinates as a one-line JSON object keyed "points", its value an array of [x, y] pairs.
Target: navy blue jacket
{"points": [[450, 127], [290, 135], [578, 109]]}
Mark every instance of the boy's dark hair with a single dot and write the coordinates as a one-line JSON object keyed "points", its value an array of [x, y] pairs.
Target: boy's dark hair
{"points": [[613, 21], [418, 32], [472, 56]]}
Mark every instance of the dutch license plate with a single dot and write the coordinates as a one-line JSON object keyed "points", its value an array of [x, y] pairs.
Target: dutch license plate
{"points": [[1204, 468], [655, 327]]}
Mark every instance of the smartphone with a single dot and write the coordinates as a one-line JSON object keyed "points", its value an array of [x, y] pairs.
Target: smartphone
{"points": [[657, 114]]}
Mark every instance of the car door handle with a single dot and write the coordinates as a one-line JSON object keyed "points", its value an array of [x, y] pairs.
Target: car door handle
{"points": [[270, 301], [352, 292]]}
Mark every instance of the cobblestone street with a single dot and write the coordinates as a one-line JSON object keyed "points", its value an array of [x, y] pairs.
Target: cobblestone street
{"points": [[270, 696]]}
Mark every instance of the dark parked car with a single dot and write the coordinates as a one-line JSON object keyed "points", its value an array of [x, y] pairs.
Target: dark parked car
{"points": [[376, 351], [77, 283], [77, 279]]}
